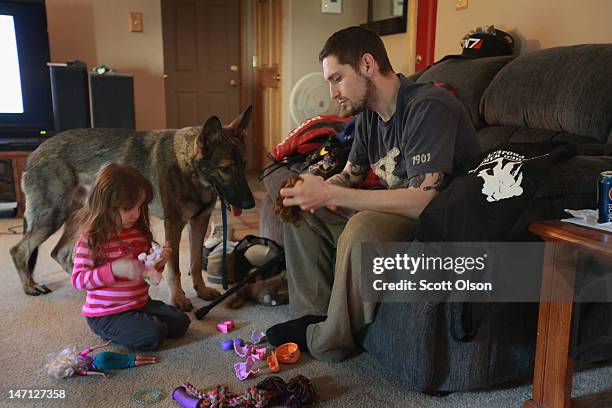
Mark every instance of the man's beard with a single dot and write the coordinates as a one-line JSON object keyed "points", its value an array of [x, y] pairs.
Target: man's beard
{"points": [[362, 103]]}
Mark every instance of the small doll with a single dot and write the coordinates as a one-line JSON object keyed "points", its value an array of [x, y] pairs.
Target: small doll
{"points": [[69, 362], [150, 260]]}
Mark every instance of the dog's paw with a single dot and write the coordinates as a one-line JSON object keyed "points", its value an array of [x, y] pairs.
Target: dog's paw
{"points": [[207, 293], [36, 289], [182, 303]]}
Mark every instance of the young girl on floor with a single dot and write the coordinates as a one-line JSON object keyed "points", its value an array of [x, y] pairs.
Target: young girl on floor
{"points": [[114, 231]]}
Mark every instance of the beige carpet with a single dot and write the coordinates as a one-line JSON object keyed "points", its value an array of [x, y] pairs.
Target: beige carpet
{"points": [[31, 327]]}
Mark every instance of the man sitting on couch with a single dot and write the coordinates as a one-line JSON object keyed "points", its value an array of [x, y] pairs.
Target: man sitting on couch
{"points": [[414, 136]]}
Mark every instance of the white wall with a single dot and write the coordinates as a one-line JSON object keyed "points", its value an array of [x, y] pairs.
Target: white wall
{"points": [[96, 32], [401, 47], [535, 24], [306, 29]]}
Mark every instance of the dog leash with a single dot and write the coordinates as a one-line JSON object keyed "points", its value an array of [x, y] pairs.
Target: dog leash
{"points": [[224, 257]]}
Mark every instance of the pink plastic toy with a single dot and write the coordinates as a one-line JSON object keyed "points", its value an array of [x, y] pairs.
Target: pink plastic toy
{"points": [[243, 351], [257, 336], [153, 257], [226, 326], [243, 370], [260, 353]]}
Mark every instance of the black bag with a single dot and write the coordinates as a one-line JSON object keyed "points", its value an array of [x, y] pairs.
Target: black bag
{"points": [[471, 208], [252, 252]]}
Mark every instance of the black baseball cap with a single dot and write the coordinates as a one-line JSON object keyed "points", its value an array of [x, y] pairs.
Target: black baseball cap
{"points": [[484, 42]]}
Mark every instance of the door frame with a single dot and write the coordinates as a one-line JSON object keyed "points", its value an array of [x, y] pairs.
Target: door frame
{"points": [[260, 78], [427, 13], [246, 82]]}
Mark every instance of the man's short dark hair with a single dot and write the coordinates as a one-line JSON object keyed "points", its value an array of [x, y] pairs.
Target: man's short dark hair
{"points": [[349, 45]]}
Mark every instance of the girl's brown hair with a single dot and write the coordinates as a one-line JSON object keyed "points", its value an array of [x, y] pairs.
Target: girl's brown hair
{"points": [[116, 186]]}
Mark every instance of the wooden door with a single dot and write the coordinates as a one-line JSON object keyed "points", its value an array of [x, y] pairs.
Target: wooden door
{"points": [[427, 12], [267, 67], [201, 41]]}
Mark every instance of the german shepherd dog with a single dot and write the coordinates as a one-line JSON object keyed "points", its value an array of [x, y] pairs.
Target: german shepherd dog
{"points": [[189, 168]]}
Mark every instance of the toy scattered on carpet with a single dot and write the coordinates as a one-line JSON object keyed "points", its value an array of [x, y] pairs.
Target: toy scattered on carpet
{"points": [[288, 353], [298, 392], [150, 260], [147, 396], [226, 326], [69, 362]]}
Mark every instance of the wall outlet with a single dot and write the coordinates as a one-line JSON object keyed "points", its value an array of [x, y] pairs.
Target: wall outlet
{"points": [[331, 6], [461, 4], [135, 21]]}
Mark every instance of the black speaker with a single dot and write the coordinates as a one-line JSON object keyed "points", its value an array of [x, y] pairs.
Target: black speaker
{"points": [[70, 95], [112, 100]]}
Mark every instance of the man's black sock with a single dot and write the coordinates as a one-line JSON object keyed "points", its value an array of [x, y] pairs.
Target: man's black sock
{"points": [[293, 331]]}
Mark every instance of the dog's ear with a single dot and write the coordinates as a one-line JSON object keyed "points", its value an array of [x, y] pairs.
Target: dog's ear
{"points": [[211, 133], [242, 122]]}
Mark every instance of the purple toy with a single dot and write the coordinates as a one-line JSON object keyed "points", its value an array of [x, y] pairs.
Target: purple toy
{"points": [[185, 400], [244, 350], [257, 336], [243, 370], [227, 345]]}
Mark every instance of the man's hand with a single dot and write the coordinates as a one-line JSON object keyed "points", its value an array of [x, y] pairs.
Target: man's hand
{"points": [[310, 194]]}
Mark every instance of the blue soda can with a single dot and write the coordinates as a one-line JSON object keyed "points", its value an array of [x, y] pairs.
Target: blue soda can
{"points": [[605, 197]]}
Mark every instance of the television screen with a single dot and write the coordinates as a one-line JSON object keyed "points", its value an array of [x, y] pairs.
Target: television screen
{"points": [[11, 98], [25, 100]]}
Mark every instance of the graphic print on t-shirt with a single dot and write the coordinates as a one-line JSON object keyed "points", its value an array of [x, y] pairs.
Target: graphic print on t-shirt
{"points": [[385, 167], [502, 175]]}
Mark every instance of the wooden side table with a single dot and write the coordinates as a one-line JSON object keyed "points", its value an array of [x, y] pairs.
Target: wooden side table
{"points": [[18, 162], [554, 367]]}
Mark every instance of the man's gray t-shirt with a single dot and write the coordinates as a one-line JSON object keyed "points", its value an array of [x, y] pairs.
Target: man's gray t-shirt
{"points": [[430, 132]]}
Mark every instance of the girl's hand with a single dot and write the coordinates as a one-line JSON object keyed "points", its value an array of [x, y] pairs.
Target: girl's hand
{"points": [[129, 268], [165, 255]]}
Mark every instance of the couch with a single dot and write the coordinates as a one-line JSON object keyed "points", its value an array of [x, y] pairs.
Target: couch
{"points": [[556, 94]]}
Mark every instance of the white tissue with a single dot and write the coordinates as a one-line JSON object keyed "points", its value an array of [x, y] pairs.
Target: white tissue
{"points": [[589, 216]]}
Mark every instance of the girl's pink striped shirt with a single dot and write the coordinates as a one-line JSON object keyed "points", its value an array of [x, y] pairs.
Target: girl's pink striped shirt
{"points": [[107, 294]]}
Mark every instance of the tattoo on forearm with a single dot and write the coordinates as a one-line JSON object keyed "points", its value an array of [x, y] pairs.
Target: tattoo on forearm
{"points": [[437, 181], [357, 170], [416, 181], [352, 177], [341, 179]]}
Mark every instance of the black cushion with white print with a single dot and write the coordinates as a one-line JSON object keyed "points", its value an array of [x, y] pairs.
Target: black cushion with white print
{"points": [[484, 204]]}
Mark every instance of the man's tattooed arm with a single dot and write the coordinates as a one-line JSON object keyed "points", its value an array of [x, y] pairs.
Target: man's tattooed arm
{"points": [[352, 176], [429, 181]]}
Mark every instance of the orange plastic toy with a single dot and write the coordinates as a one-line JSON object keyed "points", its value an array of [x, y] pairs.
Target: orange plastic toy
{"points": [[288, 353]]}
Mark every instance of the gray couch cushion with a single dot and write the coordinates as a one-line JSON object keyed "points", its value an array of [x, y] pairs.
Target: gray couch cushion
{"points": [[493, 136], [559, 89], [469, 78]]}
